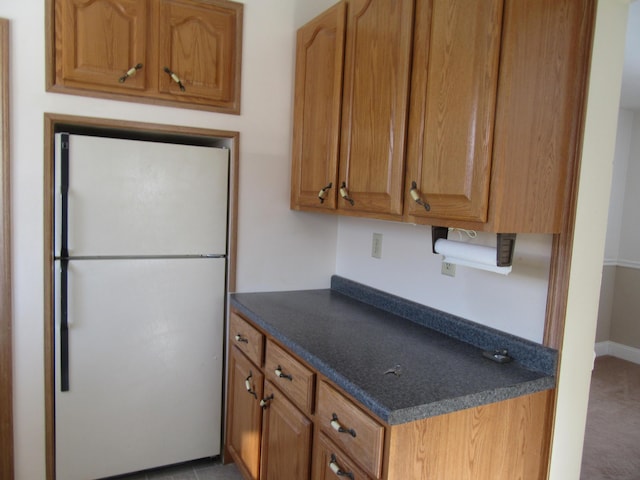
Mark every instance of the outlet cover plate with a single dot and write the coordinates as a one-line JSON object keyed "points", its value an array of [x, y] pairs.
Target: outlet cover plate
{"points": [[449, 269]]}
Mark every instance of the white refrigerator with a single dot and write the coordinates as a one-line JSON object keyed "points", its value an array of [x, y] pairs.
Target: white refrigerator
{"points": [[140, 280]]}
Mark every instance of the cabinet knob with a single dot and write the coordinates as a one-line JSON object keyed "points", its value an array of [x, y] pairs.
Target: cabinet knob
{"points": [[335, 468], [241, 339], [323, 192], [416, 197], [344, 193], [175, 78], [335, 424], [130, 73]]}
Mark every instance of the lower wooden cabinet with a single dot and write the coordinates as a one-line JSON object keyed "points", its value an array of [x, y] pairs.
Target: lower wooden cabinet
{"points": [[357, 434], [244, 414], [285, 421], [267, 436], [286, 438]]}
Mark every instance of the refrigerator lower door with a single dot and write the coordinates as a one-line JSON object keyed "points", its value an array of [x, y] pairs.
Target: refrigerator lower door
{"points": [[145, 365]]}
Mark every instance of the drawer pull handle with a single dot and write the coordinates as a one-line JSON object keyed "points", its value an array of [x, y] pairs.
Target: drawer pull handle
{"points": [[416, 197], [175, 78], [241, 339], [130, 73], [335, 424], [280, 374], [323, 192], [335, 468], [264, 403], [344, 193], [247, 385]]}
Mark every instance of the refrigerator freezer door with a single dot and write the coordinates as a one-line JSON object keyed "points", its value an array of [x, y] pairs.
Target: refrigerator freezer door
{"points": [[135, 198], [145, 365]]}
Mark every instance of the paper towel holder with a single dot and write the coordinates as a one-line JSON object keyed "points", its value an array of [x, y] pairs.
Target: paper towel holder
{"points": [[505, 243]]}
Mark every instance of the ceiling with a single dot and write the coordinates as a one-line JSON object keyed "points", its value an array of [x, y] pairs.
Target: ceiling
{"points": [[630, 97]]}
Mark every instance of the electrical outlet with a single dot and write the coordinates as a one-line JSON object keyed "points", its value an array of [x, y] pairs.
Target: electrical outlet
{"points": [[376, 245], [449, 269]]}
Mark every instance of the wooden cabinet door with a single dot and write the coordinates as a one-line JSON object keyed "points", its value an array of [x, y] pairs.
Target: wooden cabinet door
{"points": [[197, 43], [376, 90], [453, 100], [317, 104], [286, 439], [102, 39], [244, 414]]}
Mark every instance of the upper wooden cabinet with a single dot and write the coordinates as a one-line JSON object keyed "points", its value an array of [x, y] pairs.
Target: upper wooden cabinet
{"points": [[492, 119], [317, 107], [500, 154], [453, 97], [352, 93], [374, 105], [174, 52]]}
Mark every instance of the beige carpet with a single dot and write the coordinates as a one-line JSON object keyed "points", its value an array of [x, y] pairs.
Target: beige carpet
{"points": [[612, 441]]}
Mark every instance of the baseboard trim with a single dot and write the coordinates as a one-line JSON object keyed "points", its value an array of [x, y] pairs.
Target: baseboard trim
{"points": [[618, 350]]}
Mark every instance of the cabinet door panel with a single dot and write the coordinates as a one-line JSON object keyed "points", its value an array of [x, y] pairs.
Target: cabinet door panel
{"points": [[318, 93], [102, 40], [286, 439], [244, 415], [454, 84], [376, 89], [198, 44]]}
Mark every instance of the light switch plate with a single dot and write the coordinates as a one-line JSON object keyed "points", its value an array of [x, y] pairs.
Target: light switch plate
{"points": [[376, 245]]}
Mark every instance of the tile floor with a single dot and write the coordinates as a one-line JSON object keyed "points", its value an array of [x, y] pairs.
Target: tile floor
{"points": [[206, 469]]}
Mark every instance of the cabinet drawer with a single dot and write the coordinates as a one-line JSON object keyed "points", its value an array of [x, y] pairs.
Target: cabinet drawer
{"points": [[357, 434], [330, 463], [290, 376], [246, 338]]}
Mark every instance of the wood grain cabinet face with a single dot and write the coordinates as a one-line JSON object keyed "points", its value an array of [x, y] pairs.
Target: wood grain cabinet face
{"points": [[244, 414], [246, 338], [98, 41], [329, 462], [173, 52], [286, 439], [454, 90], [268, 429], [352, 85], [375, 102], [500, 153], [317, 105], [198, 44], [349, 427], [492, 119], [295, 380]]}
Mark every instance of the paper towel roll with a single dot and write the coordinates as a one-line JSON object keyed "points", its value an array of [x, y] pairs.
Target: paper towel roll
{"points": [[470, 255]]}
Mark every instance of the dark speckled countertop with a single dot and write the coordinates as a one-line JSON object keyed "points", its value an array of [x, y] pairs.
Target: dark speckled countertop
{"points": [[353, 334]]}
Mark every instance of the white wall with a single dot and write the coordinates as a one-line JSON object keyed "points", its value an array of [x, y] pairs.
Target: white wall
{"points": [[588, 248], [278, 249], [629, 253], [514, 303], [618, 185]]}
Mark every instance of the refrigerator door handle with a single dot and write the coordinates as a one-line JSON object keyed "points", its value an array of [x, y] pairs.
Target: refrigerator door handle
{"points": [[64, 326], [64, 263]]}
